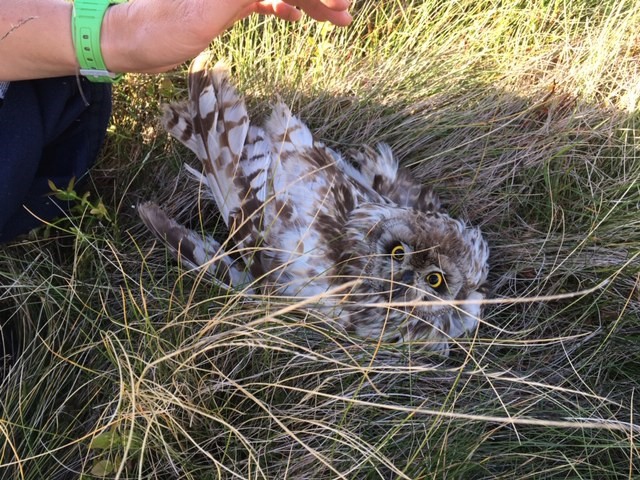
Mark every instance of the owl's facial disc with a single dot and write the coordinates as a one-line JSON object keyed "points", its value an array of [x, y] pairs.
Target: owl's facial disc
{"points": [[415, 258]]}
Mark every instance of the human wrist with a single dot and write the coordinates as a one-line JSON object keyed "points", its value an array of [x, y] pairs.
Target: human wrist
{"points": [[86, 24], [116, 43], [130, 39]]}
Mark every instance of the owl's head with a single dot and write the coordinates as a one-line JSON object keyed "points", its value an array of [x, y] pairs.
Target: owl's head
{"points": [[418, 259]]}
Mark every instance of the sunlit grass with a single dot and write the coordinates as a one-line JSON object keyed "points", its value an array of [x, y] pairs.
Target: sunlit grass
{"points": [[523, 115]]}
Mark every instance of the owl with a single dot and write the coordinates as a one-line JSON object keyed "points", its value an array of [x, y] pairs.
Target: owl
{"points": [[353, 234]]}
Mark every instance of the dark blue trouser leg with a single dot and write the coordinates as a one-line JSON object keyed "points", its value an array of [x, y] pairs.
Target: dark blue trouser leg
{"points": [[48, 131]]}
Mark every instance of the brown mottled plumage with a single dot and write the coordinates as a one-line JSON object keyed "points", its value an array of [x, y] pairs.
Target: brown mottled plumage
{"points": [[304, 220]]}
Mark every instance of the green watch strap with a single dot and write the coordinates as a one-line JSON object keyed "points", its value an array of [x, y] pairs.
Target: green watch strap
{"points": [[86, 25]]}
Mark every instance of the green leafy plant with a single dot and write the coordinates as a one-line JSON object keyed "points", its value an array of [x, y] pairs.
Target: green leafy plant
{"points": [[82, 204]]}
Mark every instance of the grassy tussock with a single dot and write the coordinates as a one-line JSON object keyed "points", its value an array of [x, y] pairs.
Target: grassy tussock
{"points": [[522, 115]]}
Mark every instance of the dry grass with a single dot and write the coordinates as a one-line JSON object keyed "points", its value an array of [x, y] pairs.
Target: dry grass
{"points": [[522, 115]]}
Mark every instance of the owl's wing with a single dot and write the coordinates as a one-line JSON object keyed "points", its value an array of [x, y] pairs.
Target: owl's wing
{"points": [[214, 124], [195, 250], [235, 156], [380, 171]]}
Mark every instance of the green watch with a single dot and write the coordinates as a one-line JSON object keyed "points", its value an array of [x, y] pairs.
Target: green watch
{"points": [[86, 24]]}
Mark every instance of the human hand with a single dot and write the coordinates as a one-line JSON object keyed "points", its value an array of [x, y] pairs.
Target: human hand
{"points": [[155, 35], [334, 11]]}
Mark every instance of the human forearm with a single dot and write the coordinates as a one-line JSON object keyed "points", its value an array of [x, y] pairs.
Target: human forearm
{"points": [[35, 39], [142, 36]]}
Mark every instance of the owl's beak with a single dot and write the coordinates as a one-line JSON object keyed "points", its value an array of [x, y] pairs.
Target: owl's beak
{"points": [[404, 283], [408, 277]]}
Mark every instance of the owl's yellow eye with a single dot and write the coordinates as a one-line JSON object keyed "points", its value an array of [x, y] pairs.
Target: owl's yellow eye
{"points": [[397, 253], [435, 280]]}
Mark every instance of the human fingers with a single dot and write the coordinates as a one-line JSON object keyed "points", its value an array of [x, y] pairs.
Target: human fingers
{"points": [[336, 4], [334, 11], [277, 8]]}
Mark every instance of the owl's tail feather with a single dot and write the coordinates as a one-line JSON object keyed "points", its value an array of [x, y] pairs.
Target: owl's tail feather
{"points": [[194, 250], [214, 124]]}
